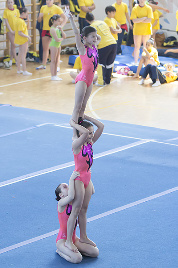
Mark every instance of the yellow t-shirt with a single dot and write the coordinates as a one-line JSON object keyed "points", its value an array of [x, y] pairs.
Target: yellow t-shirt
{"points": [[140, 12], [155, 17], [154, 53], [103, 30], [10, 15], [171, 79], [177, 20], [121, 10], [48, 12], [111, 22], [20, 25], [78, 64], [84, 3], [159, 12]]}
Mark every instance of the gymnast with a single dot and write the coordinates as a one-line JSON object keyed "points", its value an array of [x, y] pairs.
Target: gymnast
{"points": [[83, 158], [65, 195], [86, 45]]}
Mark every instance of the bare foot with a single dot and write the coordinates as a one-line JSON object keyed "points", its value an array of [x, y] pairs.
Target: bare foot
{"points": [[87, 241], [71, 246], [136, 76]]}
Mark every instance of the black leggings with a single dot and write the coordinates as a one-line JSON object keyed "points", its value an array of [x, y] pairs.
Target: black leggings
{"points": [[154, 73]]}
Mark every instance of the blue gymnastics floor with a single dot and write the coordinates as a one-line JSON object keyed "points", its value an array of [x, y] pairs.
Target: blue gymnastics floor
{"points": [[132, 216]]}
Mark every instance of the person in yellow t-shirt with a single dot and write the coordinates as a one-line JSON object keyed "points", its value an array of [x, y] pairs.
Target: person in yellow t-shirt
{"points": [[106, 50], [177, 21], [111, 22], [158, 77], [85, 7], [149, 56], [46, 12], [9, 15], [141, 16], [21, 39], [155, 23], [121, 16], [78, 67]]}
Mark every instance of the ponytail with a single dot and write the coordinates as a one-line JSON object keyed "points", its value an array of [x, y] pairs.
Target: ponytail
{"points": [[52, 19]]}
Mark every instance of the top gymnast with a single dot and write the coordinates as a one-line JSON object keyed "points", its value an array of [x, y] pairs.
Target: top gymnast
{"points": [[86, 45]]}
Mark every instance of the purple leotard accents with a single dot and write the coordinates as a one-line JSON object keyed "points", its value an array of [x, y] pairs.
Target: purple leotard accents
{"points": [[87, 150], [93, 52]]}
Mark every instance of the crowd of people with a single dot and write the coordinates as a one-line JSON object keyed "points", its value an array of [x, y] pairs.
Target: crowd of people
{"points": [[97, 42]]}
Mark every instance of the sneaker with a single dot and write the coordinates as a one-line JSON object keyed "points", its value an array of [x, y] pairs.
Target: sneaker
{"points": [[20, 72], [141, 82], [98, 85], [27, 73], [56, 78], [6, 65], [156, 84], [10, 63], [41, 67]]}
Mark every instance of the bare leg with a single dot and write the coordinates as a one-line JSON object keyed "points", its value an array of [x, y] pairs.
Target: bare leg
{"points": [[80, 91], [67, 254], [83, 216], [13, 52], [95, 78], [87, 95], [57, 60], [137, 45], [19, 58], [53, 60], [142, 60], [76, 207], [45, 41], [154, 36], [73, 75], [24, 49], [145, 38], [87, 249]]}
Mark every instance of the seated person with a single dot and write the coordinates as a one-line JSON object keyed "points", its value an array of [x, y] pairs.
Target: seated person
{"points": [[159, 77], [149, 56], [78, 66]]}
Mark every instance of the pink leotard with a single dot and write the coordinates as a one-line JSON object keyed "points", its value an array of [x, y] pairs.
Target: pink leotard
{"points": [[83, 161], [89, 65], [63, 218]]}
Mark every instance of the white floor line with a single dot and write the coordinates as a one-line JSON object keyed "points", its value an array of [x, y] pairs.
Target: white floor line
{"points": [[172, 139], [18, 131], [97, 217], [69, 164], [166, 143], [91, 98], [7, 85]]}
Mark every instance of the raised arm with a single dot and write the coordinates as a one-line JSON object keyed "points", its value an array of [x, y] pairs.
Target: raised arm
{"points": [[79, 44], [71, 193], [98, 124], [76, 145], [64, 19]]}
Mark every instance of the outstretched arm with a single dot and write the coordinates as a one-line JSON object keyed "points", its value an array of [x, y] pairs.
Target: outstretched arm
{"points": [[100, 127], [79, 44], [171, 50]]}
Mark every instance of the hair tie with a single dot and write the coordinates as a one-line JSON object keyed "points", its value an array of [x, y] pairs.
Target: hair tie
{"points": [[80, 120]]}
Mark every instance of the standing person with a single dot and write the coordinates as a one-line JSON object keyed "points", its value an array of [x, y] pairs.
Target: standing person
{"points": [[155, 23], [83, 158], [46, 12], [111, 22], [57, 35], [106, 50], [141, 16], [65, 195], [89, 58], [21, 39], [85, 6], [9, 15], [121, 15], [177, 21]]}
